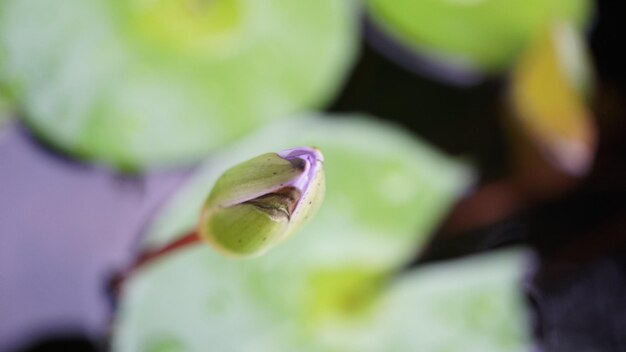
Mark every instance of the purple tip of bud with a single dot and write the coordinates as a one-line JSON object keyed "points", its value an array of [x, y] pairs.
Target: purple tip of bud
{"points": [[310, 159]]}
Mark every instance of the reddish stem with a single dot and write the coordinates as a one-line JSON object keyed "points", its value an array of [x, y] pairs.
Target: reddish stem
{"points": [[150, 255]]}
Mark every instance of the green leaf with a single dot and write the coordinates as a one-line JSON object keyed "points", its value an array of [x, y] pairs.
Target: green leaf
{"points": [[477, 35], [152, 83]]}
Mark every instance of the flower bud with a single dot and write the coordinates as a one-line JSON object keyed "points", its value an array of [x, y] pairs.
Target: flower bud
{"points": [[257, 204]]}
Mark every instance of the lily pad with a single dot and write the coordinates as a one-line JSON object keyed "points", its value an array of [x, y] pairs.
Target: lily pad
{"points": [[335, 285], [549, 93], [152, 82], [474, 35]]}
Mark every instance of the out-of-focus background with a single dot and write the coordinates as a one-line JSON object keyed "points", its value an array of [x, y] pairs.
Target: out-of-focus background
{"points": [[453, 127]]}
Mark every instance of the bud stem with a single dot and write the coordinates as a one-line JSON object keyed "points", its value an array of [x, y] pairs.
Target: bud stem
{"points": [[150, 255]]}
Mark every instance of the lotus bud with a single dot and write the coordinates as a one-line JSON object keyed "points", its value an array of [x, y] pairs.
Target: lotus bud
{"points": [[259, 203]]}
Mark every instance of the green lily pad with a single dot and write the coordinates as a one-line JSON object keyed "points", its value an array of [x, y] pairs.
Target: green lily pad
{"points": [[334, 286], [149, 83], [476, 35]]}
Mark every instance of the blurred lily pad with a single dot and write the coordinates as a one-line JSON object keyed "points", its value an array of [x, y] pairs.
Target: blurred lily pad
{"points": [[335, 285], [474, 35], [549, 89], [153, 82]]}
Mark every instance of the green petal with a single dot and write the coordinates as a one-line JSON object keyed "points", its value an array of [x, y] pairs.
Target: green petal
{"points": [[243, 230], [250, 179]]}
